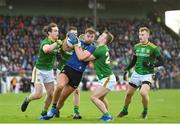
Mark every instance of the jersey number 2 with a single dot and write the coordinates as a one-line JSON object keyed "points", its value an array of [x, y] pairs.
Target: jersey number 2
{"points": [[107, 58]]}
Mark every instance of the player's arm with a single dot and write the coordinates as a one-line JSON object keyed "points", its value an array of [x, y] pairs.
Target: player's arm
{"points": [[49, 47], [65, 47], [90, 58], [81, 54], [158, 60], [132, 63]]}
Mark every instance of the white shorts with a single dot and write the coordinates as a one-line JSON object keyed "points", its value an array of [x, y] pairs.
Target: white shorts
{"points": [[137, 79], [108, 82], [42, 76]]}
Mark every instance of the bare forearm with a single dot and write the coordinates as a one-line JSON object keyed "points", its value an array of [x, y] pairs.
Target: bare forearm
{"points": [[49, 48], [79, 53]]}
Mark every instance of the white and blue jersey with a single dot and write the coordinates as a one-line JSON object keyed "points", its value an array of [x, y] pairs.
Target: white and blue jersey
{"points": [[75, 63]]}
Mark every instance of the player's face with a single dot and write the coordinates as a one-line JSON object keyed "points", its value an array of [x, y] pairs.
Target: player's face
{"points": [[74, 32], [143, 36], [89, 38], [102, 37], [54, 33]]}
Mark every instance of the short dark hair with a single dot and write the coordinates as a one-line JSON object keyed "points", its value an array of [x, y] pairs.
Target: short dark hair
{"points": [[90, 30], [48, 28], [71, 28]]}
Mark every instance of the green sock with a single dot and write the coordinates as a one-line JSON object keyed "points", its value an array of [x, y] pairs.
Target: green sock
{"points": [[125, 109], [44, 110], [76, 109], [145, 110], [106, 114], [54, 105]]}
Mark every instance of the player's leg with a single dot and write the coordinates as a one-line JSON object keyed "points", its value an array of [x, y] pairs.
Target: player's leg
{"points": [[49, 90], [36, 94], [135, 82], [76, 100], [37, 78], [144, 91], [97, 98], [61, 82], [67, 90], [130, 92], [105, 101]]}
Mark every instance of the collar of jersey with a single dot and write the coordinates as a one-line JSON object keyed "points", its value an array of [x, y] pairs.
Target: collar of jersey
{"points": [[49, 38], [145, 43]]}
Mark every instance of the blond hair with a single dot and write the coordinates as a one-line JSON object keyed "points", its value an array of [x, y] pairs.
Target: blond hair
{"points": [[144, 29]]}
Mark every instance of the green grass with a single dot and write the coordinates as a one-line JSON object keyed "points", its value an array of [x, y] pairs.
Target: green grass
{"points": [[164, 107]]}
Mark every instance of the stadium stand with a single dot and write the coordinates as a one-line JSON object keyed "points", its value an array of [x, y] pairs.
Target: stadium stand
{"points": [[20, 37]]}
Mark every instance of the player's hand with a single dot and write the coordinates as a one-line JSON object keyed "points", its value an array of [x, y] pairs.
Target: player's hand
{"points": [[72, 38], [59, 43], [148, 64]]}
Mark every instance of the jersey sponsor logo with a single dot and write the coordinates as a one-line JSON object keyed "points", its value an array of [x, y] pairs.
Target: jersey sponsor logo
{"points": [[80, 67], [143, 52]]}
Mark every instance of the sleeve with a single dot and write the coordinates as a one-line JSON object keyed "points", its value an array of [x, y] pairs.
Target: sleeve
{"points": [[159, 58], [91, 48], [157, 52], [44, 43], [96, 53]]}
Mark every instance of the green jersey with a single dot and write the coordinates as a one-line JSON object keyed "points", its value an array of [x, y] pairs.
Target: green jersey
{"points": [[147, 52], [102, 62], [64, 56], [45, 61]]}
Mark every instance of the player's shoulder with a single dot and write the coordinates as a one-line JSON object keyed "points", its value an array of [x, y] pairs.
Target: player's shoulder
{"points": [[138, 44], [152, 45], [102, 49]]}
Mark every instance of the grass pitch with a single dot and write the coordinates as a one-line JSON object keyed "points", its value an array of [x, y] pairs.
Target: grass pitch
{"points": [[164, 107]]}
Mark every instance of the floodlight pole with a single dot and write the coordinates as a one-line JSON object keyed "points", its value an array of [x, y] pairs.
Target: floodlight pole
{"points": [[95, 14]]}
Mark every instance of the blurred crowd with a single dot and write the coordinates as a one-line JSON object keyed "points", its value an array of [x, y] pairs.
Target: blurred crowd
{"points": [[20, 38]]}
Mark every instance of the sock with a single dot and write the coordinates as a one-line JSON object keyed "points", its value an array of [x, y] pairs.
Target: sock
{"points": [[106, 114], [76, 109], [44, 110], [54, 105], [28, 99], [145, 110], [125, 109]]}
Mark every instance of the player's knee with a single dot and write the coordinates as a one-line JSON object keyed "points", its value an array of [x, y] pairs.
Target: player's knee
{"points": [[93, 98], [129, 95], [59, 87], [38, 95], [50, 95], [143, 93]]}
